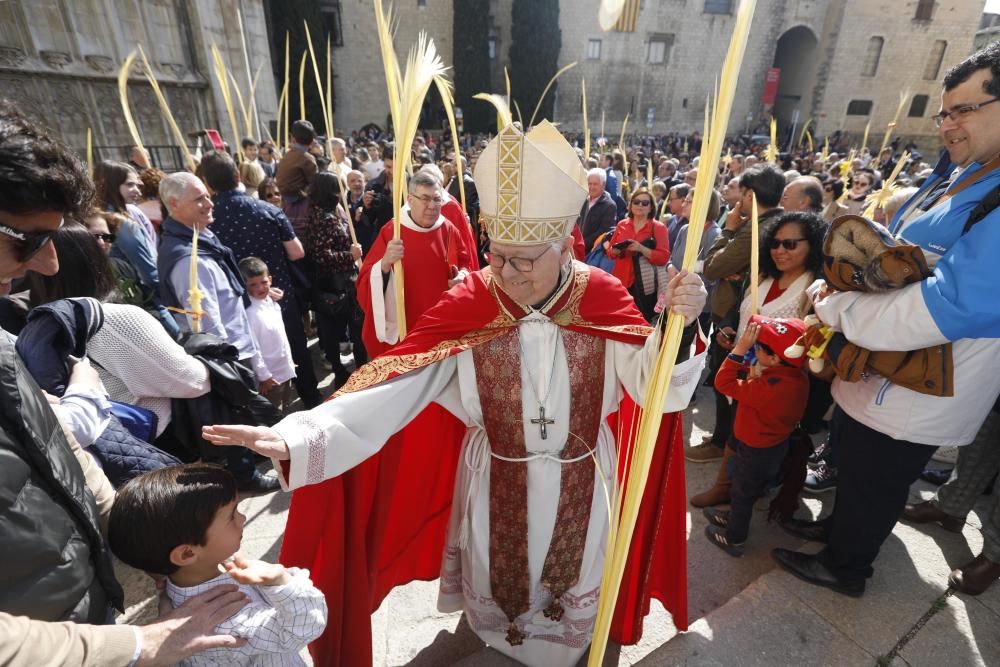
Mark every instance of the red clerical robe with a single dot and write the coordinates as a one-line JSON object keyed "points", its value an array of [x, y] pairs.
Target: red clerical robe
{"points": [[431, 258], [384, 523], [452, 210]]}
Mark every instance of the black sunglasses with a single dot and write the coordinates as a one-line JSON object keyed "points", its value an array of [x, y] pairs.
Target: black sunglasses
{"points": [[644, 202], [107, 238], [29, 244], [787, 244]]}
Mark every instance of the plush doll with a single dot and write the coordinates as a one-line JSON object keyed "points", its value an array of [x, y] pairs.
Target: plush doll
{"points": [[861, 255]]}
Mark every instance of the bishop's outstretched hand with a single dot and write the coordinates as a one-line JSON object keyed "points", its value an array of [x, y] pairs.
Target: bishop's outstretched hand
{"points": [[261, 439]]}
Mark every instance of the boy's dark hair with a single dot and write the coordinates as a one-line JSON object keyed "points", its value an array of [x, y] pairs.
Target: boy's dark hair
{"points": [[988, 58], [219, 171], [253, 267], [163, 509], [303, 132], [37, 171], [767, 182], [813, 230], [247, 142]]}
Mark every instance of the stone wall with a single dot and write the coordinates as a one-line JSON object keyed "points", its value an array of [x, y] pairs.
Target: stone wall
{"points": [[59, 60]]}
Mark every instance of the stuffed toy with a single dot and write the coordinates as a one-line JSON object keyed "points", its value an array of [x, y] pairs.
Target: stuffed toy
{"points": [[861, 255]]}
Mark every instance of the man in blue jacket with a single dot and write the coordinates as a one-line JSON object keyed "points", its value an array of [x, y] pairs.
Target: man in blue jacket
{"points": [[885, 434]]}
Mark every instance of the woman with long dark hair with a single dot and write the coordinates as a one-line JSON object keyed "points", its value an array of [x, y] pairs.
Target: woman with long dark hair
{"points": [[137, 361], [333, 268], [119, 189]]}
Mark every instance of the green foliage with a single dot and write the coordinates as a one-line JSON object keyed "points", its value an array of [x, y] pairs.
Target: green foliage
{"points": [[535, 41], [471, 60], [287, 16]]}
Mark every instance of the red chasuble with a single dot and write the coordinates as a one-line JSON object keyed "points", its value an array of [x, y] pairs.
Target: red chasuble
{"points": [[384, 523], [429, 261], [453, 211]]}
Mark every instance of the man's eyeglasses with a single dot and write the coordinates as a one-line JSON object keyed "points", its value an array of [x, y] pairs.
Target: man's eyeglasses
{"points": [[959, 114], [107, 238], [787, 244], [29, 244], [522, 264], [436, 201]]}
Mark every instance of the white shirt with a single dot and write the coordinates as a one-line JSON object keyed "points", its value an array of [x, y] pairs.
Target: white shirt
{"points": [[268, 330], [277, 624]]}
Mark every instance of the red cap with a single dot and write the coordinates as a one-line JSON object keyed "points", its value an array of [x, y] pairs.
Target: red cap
{"points": [[779, 334]]}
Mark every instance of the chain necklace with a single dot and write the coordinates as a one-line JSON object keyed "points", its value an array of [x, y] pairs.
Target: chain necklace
{"points": [[542, 421]]}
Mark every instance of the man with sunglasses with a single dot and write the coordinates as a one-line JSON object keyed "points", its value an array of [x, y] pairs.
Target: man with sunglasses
{"points": [[57, 587], [885, 434]]}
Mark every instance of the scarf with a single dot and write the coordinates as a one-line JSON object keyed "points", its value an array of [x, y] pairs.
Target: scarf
{"points": [[176, 247]]}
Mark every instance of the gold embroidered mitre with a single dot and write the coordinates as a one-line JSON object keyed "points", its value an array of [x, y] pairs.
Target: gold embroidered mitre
{"points": [[531, 186]]}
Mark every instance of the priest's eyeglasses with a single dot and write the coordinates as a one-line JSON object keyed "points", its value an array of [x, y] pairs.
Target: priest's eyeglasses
{"points": [[522, 264], [29, 244], [958, 114]]}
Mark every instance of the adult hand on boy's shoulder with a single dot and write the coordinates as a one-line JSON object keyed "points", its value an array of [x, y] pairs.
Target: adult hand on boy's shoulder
{"points": [[256, 572]]}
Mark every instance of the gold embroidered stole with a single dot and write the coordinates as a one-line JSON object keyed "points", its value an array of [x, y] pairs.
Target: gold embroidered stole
{"points": [[498, 378]]}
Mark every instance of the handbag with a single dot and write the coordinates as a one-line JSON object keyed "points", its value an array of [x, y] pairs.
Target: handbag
{"points": [[334, 295], [598, 257]]}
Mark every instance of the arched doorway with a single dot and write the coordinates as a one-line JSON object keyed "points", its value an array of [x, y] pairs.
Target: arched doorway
{"points": [[795, 57]]}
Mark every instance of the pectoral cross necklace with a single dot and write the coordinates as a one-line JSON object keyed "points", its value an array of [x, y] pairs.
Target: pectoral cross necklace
{"points": [[541, 421]]}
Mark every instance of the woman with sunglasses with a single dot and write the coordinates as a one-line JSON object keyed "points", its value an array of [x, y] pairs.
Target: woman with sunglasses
{"points": [[861, 186], [832, 208], [641, 251], [791, 257], [268, 191]]}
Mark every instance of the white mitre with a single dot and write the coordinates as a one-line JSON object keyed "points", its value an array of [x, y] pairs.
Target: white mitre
{"points": [[531, 186]]}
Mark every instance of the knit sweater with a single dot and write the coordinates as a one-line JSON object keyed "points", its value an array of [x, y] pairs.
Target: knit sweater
{"points": [[770, 406]]}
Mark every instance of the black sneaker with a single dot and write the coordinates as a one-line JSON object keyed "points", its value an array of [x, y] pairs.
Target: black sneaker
{"points": [[821, 478], [819, 453], [260, 484]]}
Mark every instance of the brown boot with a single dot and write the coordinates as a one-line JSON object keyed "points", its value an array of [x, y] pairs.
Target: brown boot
{"points": [[719, 493]]}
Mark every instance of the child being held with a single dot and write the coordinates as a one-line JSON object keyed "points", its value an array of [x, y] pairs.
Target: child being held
{"points": [[183, 522], [268, 330], [770, 404]]}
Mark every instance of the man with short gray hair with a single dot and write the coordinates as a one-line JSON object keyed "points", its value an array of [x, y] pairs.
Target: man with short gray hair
{"points": [[599, 212], [224, 297], [804, 193]]}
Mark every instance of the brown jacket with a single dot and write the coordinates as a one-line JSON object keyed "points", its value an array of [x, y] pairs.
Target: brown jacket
{"points": [[296, 172], [28, 643], [730, 254]]}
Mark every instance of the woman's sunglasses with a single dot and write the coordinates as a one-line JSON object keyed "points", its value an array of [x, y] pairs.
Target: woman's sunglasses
{"points": [[642, 202], [787, 244]]}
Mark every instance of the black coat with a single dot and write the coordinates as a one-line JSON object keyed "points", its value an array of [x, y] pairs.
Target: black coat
{"points": [[55, 566], [602, 217]]}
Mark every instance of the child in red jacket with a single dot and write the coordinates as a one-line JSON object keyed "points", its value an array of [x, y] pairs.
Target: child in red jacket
{"points": [[771, 403]]}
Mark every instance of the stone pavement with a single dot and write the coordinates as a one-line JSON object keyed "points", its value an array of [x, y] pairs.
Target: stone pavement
{"points": [[748, 612]]}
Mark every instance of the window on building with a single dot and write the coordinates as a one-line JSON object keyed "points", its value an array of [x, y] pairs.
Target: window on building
{"points": [[924, 10], [859, 108], [492, 46], [329, 12], [918, 106], [421, 3], [934, 60], [718, 6], [870, 64], [593, 49], [658, 49]]}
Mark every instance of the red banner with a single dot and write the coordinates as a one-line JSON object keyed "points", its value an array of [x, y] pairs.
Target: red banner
{"points": [[771, 86]]}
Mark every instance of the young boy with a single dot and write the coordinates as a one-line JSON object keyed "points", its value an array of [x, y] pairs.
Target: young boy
{"points": [[183, 522], [269, 332], [770, 404]]}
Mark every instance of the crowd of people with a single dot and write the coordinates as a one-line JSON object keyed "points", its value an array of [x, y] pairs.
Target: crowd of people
{"points": [[149, 318]]}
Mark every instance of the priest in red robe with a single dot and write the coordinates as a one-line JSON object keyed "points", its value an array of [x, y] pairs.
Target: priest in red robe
{"points": [[434, 258], [534, 358]]}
